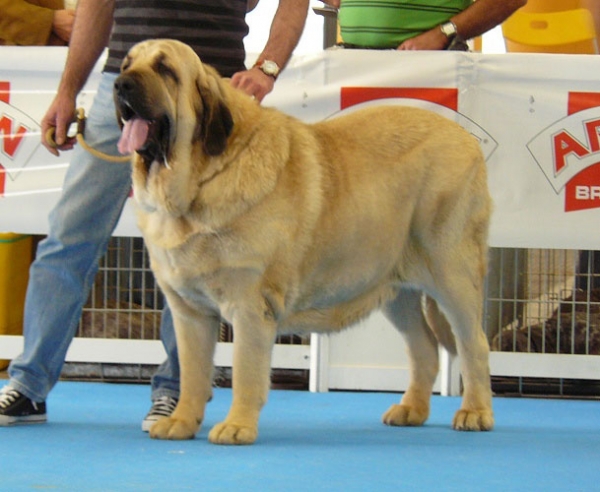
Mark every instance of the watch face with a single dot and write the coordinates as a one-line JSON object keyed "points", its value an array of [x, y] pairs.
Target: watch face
{"points": [[269, 67], [449, 29]]}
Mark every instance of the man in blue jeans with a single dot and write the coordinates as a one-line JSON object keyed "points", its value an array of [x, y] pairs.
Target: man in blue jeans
{"points": [[95, 191]]}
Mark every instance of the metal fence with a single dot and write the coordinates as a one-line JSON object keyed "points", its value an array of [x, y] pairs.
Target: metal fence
{"points": [[126, 303], [537, 302], [544, 302]]}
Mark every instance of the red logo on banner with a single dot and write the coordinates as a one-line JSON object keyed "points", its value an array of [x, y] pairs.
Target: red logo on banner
{"points": [[4, 97], [582, 192], [18, 140], [351, 96], [13, 134]]}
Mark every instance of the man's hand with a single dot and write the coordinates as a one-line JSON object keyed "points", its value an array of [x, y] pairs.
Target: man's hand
{"points": [[433, 39], [62, 24], [253, 82], [58, 118]]}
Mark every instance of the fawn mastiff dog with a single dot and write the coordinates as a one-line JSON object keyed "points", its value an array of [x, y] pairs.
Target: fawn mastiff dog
{"points": [[278, 226]]}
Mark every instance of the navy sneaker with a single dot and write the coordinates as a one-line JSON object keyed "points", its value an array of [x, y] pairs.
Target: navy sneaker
{"points": [[161, 407], [16, 408]]}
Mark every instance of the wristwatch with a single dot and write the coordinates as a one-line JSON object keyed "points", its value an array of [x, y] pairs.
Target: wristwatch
{"points": [[449, 30], [268, 67]]}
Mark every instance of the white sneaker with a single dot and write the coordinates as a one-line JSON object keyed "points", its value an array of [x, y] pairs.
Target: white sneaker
{"points": [[161, 407]]}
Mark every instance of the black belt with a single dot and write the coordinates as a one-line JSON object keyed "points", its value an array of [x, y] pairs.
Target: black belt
{"points": [[350, 46], [457, 44]]}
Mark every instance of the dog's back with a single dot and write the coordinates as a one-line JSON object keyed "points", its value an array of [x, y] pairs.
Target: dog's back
{"points": [[402, 188]]}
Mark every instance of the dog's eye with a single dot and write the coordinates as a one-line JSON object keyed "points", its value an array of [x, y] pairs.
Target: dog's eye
{"points": [[165, 70], [126, 63]]}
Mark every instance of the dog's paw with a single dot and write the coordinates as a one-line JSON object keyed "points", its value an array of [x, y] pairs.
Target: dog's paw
{"points": [[175, 429], [405, 415], [227, 433], [473, 420]]}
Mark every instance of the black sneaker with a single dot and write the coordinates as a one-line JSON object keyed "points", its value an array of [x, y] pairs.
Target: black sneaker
{"points": [[161, 407], [16, 408]]}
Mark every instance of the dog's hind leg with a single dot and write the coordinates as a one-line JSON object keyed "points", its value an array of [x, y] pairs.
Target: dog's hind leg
{"points": [[460, 296], [406, 315]]}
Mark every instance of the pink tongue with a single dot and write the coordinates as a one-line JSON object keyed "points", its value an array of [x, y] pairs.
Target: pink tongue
{"points": [[135, 133]]}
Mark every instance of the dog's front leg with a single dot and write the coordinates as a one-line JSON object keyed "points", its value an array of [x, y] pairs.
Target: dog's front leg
{"points": [[254, 337], [197, 337]]}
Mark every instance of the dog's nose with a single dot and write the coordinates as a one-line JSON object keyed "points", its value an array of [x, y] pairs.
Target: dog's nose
{"points": [[124, 85]]}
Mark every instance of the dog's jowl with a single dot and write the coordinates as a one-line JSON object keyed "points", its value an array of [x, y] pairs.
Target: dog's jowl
{"points": [[278, 226]]}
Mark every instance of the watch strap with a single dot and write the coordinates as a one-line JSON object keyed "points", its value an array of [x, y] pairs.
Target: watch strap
{"points": [[268, 67]]}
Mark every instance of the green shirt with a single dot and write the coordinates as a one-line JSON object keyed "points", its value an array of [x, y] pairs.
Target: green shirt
{"points": [[387, 23]]}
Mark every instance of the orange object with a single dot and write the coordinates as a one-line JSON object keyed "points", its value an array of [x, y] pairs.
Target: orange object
{"points": [[569, 31], [15, 258]]}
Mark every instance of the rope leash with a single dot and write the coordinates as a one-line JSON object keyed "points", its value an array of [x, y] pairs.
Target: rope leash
{"points": [[80, 114]]}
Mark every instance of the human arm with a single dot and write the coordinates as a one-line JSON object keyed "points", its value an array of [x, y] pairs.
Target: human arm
{"points": [[286, 29], [91, 31], [478, 18], [23, 23]]}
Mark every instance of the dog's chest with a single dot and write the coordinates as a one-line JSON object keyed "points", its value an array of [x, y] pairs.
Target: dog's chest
{"points": [[204, 273]]}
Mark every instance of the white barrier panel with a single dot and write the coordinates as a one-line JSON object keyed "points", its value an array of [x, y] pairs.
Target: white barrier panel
{"points": [[119, 351], [536, 116]]}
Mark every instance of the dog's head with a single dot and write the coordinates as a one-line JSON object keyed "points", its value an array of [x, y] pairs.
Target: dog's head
{"points": [[168, 101]]}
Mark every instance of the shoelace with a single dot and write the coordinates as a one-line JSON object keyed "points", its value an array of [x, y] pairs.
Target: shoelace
{"points": [[164, 406], [8, 396]]}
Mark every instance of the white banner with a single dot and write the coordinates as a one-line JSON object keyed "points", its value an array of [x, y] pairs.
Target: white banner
{"points": [[537, 118]]}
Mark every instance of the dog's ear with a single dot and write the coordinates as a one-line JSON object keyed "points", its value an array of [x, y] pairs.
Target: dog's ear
{"points": [[214, 120]]}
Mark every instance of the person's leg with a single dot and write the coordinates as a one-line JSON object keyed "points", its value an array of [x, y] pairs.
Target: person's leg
{"points": [[165, 381], [80, 227]]}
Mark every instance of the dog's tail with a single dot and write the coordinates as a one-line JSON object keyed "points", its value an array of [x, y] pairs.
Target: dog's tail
{"points": [[439, 324]]}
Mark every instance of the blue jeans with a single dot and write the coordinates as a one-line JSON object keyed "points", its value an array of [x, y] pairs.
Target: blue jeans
{"points": [[61, 277]]}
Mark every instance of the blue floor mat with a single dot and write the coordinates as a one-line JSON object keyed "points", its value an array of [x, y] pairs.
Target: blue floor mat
{"points": [[308, 441]]}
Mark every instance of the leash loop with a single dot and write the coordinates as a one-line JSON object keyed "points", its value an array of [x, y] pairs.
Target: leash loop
{"points": [[81, 119]]}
